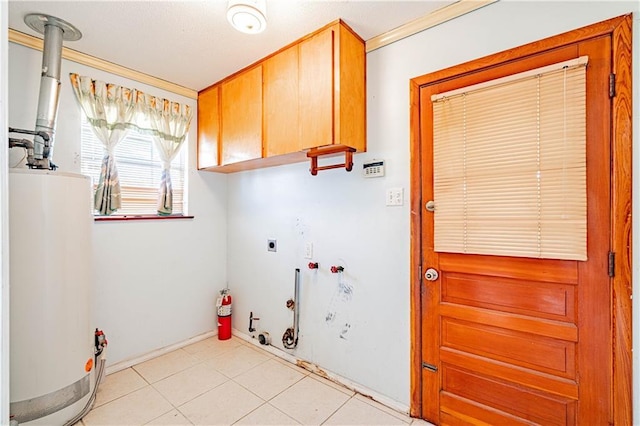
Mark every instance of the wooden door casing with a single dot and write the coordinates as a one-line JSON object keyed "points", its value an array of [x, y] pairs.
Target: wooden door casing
{"points": [[485, 358]]}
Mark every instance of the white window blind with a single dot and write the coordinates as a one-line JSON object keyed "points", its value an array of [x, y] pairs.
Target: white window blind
{"points": [[139, 171], [510, 165]]}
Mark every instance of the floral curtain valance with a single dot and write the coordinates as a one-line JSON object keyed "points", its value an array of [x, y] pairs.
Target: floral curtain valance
{"points": [[112, 110]]}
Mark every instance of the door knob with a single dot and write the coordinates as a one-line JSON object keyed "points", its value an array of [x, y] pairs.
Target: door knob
{"points": [[431, 274]]}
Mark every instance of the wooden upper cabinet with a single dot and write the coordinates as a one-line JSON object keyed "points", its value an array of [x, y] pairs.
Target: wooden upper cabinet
{"points": [[208, 127], [317, 89], [241, 113], [309, 95], [332, 89], [281, 119], [350, 97]]}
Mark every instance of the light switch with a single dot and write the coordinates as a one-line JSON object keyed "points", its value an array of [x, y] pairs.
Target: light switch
{"points": [[395, 196], [308, 250]]}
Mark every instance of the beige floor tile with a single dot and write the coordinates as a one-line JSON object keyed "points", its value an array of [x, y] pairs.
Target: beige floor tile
{"points": [[356, 412], [293, 366], [172, 418], [268, 379], [238, 360], [118, 384], [309, 401], [211, 347], [266, 415], [223, 405], [333, 384], [165, 365], [187, 384], [420, 422], [136, 408], [404, 417]]}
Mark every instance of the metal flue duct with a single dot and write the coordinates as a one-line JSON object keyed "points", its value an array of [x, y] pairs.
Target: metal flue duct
{"points": [[55, 30]]}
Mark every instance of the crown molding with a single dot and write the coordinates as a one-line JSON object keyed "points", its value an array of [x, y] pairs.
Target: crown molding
{"points": [[432, 19], [91, 61]]}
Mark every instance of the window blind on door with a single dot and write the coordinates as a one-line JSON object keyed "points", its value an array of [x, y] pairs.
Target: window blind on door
{"points": [[510, 165]]}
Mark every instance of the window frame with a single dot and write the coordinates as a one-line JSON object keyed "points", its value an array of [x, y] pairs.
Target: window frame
{"points": [[179, 165]]}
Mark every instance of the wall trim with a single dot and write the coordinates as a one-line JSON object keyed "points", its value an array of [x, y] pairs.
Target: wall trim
{"points": [[319, 371], [432, 19], [91, 61], [130, 362], [315, 369]]}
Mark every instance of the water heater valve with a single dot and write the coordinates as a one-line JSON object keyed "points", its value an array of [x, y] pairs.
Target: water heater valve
{"points": [[100, 341]]}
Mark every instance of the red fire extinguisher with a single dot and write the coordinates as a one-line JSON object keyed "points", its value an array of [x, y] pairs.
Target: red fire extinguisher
{"points": [[224, 315]]}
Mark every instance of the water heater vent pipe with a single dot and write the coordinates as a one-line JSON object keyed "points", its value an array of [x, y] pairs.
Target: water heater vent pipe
{"points": [[55, 30]]}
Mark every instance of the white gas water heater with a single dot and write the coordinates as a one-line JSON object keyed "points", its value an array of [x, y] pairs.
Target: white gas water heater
{"points": [[56, 355]]}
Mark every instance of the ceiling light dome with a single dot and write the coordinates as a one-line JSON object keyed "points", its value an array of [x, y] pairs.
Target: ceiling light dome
{"points": [[247, 16]]}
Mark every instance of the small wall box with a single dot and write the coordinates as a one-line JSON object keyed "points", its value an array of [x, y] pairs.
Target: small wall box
{"points": [[373, 169]]}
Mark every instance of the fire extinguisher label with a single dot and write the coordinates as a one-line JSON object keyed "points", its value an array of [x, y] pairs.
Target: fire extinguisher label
{"points": [[224, 310]]}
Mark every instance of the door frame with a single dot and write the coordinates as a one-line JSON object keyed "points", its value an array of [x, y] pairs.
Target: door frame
{"points": [[619, 29]]}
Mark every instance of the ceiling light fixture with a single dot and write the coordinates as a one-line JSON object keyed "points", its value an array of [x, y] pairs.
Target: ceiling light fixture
{"points": [[247, 16]]}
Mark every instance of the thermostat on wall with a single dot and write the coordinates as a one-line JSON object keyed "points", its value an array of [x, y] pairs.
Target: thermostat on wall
{"points": [[373, 169]]}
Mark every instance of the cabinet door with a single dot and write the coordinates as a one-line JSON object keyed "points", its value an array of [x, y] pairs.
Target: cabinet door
{"points": [[316, 89], [241, 104], [208, 127], [350, 126], [281, 124]]}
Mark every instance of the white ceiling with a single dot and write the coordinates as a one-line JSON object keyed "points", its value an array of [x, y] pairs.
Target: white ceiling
{"points": [[190, 42]]}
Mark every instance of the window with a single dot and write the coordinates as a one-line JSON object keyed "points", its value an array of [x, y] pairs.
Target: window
{"points": [[139, 171]]}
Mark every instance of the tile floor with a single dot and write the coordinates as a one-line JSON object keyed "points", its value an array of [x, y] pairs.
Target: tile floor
{"points": [[230, 382]]}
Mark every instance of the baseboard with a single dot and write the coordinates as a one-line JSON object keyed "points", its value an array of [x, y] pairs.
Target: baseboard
{"points": [[123, 365], [356, 387]]}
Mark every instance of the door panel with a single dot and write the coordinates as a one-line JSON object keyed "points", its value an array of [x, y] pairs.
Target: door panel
{"points": [[518, 340], [317, 90], [241, 106]]}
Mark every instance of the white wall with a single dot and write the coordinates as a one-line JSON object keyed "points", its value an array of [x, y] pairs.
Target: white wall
{"points": [[155, 281], [151, 296], [4, 221], [345, 217]]}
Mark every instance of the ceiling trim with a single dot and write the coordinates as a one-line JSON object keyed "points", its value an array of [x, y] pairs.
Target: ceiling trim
{"points": [[91, 61], [432, 19]]}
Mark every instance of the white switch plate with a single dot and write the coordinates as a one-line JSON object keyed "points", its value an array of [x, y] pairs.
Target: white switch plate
{"points": [[308, 250], [395, 196]]}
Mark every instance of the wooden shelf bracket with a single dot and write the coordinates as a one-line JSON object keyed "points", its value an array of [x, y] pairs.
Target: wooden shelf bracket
{"points": [[314, 153]]}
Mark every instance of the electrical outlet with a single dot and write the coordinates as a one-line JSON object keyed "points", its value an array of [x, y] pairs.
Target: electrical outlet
{"points": [[308, 250], [395, 196], [272, 245]]}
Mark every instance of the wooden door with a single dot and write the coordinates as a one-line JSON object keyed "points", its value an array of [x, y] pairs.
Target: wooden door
{"points": [[509, 340], [241, 110]]}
